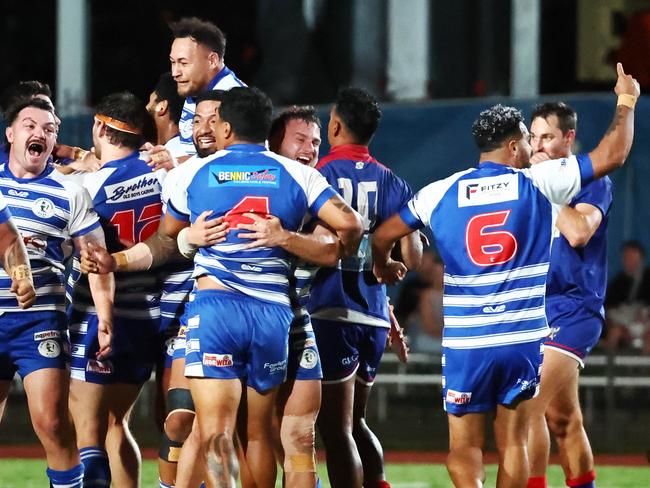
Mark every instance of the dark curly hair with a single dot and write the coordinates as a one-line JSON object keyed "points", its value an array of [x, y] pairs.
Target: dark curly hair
{"points": [[496, 125]]}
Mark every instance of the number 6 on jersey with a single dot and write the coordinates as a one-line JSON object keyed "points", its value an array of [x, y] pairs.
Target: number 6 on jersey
{"points": [[486, 247]]}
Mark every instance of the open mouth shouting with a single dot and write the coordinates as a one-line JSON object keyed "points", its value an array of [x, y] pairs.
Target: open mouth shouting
{"points": [[35, 149]]}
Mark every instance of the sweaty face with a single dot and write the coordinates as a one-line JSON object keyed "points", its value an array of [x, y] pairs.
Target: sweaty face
{"points": [[190, 66], [546, 136], [32, 136], [204, 128], [301, 141]]}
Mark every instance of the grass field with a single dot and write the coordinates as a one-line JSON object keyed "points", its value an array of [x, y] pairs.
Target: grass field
{"points": [[23, 473]]}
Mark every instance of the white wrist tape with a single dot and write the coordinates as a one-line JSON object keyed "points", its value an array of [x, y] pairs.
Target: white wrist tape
{"points": [[137, 258], [185, 248]]}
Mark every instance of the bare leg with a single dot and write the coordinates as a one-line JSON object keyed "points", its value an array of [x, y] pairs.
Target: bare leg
{"points": [[370, 450], [4, 392], [511, 433], [123, 452], [344, 466], [216, 404], [47, 396], [557, 370], [259, 449], [465, 459]]}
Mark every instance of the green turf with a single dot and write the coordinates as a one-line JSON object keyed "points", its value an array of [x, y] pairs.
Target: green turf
{"points": [[21, 473]]}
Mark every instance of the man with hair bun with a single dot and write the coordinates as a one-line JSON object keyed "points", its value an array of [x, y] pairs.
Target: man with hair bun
{"points": [[493, 226]]}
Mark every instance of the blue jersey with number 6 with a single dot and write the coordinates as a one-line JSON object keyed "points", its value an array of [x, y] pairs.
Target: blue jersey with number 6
{"points": [[493, 227], [350, 292]]}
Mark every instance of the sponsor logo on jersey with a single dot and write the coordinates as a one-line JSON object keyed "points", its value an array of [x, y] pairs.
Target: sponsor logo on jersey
{"points": [[484, 191], [248, 267], [49, 348], [359, 165], [494, 309], [78, 350], [18, 193], [217, 360], [458, 397], [138, 187], [227, 176], [47, 334], [276, 367], [309, 359], [554, 332], [99, 367], [43, 208]]}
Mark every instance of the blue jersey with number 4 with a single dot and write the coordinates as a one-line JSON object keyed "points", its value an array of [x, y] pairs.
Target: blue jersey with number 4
{"points": [[493, 227], [246, 178], [350, 292]]}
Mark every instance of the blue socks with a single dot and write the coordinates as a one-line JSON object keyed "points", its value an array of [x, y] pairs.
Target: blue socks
{"points": [[97, 473], [72, 478]]}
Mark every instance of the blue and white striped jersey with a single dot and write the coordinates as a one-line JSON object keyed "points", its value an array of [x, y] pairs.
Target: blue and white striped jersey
{"points": [[48, 210], [5, 214], [248, 178], [225, 80], [175, 275], [493, 227], [300, 281], [126, 195]]}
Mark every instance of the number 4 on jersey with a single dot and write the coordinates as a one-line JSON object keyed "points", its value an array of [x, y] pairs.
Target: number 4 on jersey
{"points": [[487, 247], [257, 205]]}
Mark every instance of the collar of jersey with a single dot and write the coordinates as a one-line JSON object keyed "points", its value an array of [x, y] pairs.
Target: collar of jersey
{"points": [[492, 165], [351, 151], [8, 174], [225, 71], [246, 147], [119, 162]]}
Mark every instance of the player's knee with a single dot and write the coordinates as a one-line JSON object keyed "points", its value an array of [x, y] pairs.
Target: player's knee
{"points": [[180, 418], [558, 422], [52, 426], [297, 434]]}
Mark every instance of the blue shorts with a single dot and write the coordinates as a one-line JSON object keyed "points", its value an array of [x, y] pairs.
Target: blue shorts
{"points": [[574, 330], [136, 346], [30, 341], [477, 380], [231, 335], [304, 360], [347, 349]]}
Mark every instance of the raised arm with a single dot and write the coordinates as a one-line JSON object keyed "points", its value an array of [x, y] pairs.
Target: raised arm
{"points": [[16, 264], [615, 145], [102, 289]]}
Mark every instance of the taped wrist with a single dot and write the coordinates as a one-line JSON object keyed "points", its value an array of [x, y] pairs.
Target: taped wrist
{"points": [[185, 248], [626, 100], [137, 258]]}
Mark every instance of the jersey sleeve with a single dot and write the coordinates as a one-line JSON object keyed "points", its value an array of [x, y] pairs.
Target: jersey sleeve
{"points": [[5, 214], [316, 188], [561, 179], [597, 193], [83, 217], [397, 194], [174, 191]]}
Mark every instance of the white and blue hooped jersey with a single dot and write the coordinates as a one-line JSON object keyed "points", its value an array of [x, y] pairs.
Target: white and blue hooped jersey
{"points": [[5, 214], [493, 227], [126, 195], [246, 178], [350, 292], [225, 80], [48, 210]]}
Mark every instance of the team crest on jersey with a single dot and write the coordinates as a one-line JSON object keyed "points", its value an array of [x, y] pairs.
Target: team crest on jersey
{"points": [[484, 191], [49, 348], [43, 208], [309, 359], [228, 176]]}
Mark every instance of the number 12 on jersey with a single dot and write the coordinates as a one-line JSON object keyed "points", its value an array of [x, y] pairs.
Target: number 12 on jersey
{"points": [[487, 247]]}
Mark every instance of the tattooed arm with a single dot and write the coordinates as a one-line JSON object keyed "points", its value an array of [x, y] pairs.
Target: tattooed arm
{"points": [[102, 289], [345, 222], [16, 264], [615, 145]]}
